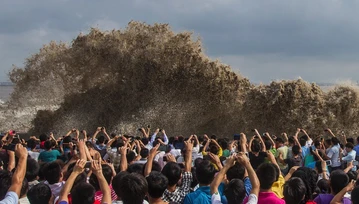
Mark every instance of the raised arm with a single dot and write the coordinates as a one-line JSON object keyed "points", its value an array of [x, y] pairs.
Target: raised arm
{"points": [[243, 159], [151, 156], [243, 141], [105, 133], [285, 136], [330, 132], [165, 138], [96, 168], [188, 158], [98, 130], [267, 135], [78, 169], [339, 196], [153, 137], [262, 142], [123, 161], [19, 175], [220, 176]]}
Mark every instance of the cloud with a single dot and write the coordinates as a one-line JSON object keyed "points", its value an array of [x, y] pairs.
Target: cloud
{"points": [[265, 39]]}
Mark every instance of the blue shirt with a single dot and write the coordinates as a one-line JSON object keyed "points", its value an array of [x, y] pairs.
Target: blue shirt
{"points": [[356, 148], [247, 186], [203, 195], [49, 156], [305, 151], [10, 198]]}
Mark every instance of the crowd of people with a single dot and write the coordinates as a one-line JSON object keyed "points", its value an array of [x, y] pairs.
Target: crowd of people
{"points": [[154, 168]]}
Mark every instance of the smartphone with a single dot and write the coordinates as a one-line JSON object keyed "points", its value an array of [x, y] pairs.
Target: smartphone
{"points": [[236, 137], [10, 147], [164, 159], [328, 162], [355, 163], [88, 165]]}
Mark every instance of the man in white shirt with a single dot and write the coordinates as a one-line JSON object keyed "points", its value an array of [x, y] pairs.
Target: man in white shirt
{"points": [[333, 154]]}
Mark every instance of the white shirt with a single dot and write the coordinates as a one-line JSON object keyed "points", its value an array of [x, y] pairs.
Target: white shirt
{"points": [[34, 155], [56, 187], [333, 154]]}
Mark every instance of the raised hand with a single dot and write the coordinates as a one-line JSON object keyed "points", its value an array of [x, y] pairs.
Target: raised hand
{"points": [[79, 167]]}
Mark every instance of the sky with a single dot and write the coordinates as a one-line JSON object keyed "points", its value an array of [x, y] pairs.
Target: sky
{"points": [[264, 40]]}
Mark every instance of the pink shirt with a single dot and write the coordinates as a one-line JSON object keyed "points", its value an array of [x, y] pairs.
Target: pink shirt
{"points": [[267, 197]]}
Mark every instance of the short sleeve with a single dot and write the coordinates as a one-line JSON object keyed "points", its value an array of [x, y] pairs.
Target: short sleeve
{"points": [[216, 198], [10, 198], [252, 199]]}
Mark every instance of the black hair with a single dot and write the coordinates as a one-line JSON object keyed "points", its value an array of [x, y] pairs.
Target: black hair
{"points": [[52, 172], [213, 149], [43, 137], [101, 139], [173, 173], [116, 181], [323, 186], [83, 193], [213, 137], [310, 178], [335, 141], [236, 172], [268, 144], [303, 141], [145, 140], [223, 143], [235, 191], [328, 141], [144, 153], [42, 171], [197, 162], [32, 169], [155, 167], [296, 150], [132, 188], [31, 143], [294, 191], [352, 175], [349, 145], [205, 172], [291, 140], [357, 139], [5, 183], [279, 140], [107, 173], [355, 195], [48, 145], [39, 194], [135, 168], [338, 180], [351, 140], [256, 146], [267, 175], [130, 156], [157, 184]]}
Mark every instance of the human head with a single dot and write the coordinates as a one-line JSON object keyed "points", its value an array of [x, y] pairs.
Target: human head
{"points": [[157, 184], [349, 147], [294, 191], [323, 186], [355, 195], [144, 153], [338, 180], [107, 173], [205, 172], [130, 156], [268, 144], [83, 193], [40, 194], [236, 172], [335, 141], [256, 146], [235, 191], [101, 139], [32, 169], [267, 175], [302, 141], [5, 183], [53, 173], [135, 168], [279, 142], [310, 178], [296, 150], [145, 140], [31, 143], [155, 167], [43, 137], [213, 149], [132, 188], [48, 145], [173, 172]]}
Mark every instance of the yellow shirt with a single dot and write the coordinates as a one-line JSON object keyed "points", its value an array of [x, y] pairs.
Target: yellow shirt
{"points": [[277, 187]]}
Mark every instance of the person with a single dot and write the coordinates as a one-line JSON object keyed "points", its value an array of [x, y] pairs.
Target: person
{"points": [[108, 174], [356, 148], [40, 194], [267, 174], [294, 191], [295, 160], [174, 192], [134, 195], [205, 174], [49, 155], [235, 191], [350, 154], [333, 154], [309, 178], [84, 193], [282, 150], [54, 177], [338, 180], [349, 188], [33, 153], [238, 171], [257, 151], [157, 184], [14, 192], [32, 171]]}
